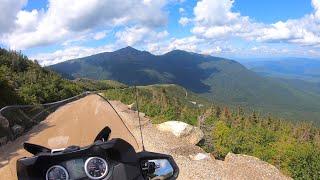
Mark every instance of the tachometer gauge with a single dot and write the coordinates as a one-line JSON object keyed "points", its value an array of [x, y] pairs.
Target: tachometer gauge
{"points": [[96, 167], [57, 172]]}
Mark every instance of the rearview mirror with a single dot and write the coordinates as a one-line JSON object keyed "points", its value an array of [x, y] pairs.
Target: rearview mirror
{"points": [[157, 169], [103, 135], [157, 166]]}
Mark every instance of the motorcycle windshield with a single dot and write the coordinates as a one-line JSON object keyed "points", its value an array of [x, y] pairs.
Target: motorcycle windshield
{"points": [[75, 121]]}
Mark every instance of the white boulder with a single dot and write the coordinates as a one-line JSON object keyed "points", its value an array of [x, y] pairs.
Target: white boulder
{"points": [[200, 156], [131, 106], [182, 130], [177, 128]]}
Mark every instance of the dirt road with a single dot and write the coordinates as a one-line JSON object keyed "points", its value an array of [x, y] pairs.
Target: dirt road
{"points": [[76, 123]]}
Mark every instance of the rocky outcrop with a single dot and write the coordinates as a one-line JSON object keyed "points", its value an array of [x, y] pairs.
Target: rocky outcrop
{"points": [[4, 123], [182, 130], [17, 130], [4, 130], [177, 128], [200, 156], [236, 164], [131, 106], [195, 136], [3, 140]]}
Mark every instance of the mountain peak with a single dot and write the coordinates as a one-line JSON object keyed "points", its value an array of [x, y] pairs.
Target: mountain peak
{"points": [[176, 51], [128, 49], [181, 52]]}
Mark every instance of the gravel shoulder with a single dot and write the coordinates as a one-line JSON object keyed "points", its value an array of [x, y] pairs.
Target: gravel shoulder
{"points": [[234, 167]]}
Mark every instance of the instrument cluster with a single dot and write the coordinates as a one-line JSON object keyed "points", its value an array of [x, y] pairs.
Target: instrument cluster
{"points": [[92, 168]]}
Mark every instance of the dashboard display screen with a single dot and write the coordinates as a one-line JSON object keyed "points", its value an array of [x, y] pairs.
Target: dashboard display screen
{"points": [[76, 168]]}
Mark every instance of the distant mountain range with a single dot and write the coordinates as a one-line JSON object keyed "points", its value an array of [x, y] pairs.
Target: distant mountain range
{"points": [[220, 80], [288, 68]]}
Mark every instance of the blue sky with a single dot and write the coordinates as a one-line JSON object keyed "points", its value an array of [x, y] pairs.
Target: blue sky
{"points": [[58, 30], [270, 11]]}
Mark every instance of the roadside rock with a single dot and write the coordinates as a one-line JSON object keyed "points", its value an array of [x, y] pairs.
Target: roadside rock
{"points": [[4, 122], [182, 130], [17, 130], [131, 106], [5, 129], [142, 114], [200, 156], [195, 136], [177, 128], [3, 140], [237, 163], [186, 150]]}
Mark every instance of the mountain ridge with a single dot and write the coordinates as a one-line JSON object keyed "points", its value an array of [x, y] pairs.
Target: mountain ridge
{"points": [[289, 68], [218, 79]]}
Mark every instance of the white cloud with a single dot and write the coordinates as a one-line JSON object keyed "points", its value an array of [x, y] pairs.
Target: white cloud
{"points": [[216, 19], [67, 19], [141, 22], [316, 6], [184, 21], [211, 51], [27, 20], [215, 13], [9, 10], [73, 52], [187, 44], [134, 35], [181, 10], [191, 44], [100, 35], [304, 31]]}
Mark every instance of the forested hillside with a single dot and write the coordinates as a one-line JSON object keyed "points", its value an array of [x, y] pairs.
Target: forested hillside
{"points": [[292, 147], [26, 82]]}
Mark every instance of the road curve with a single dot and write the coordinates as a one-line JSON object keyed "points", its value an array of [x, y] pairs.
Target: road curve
{"points": [[76, 123]]}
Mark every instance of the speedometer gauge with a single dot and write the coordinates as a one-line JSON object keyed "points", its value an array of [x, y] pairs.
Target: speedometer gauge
{"points": [[57, 172], [96, 167]]}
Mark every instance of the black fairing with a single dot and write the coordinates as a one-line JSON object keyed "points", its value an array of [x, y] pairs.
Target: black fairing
{"points": [[35, 149], [125, 163], [117, 150]]}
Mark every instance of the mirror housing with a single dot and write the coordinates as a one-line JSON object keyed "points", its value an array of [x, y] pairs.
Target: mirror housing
{"points": [[151, 164], [35, 149], [103, 135]]}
